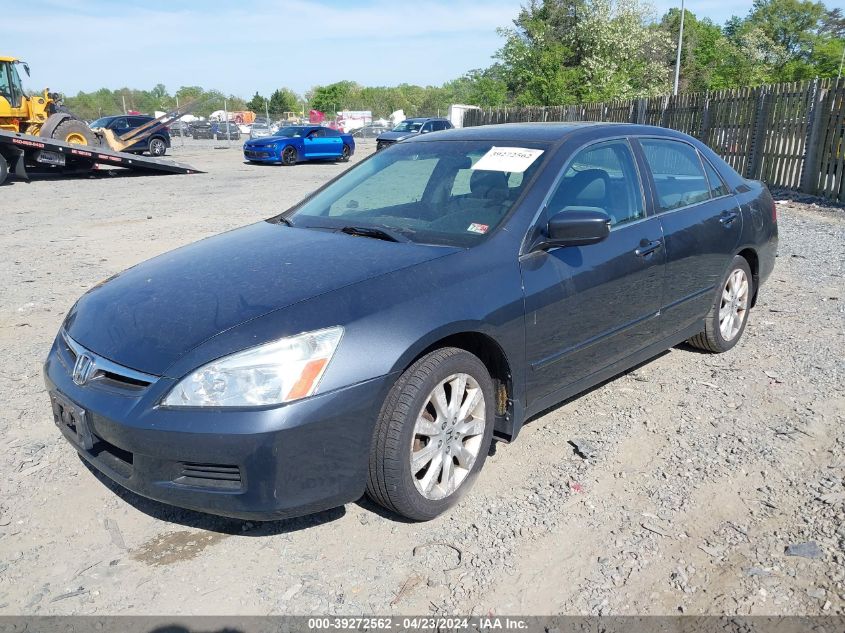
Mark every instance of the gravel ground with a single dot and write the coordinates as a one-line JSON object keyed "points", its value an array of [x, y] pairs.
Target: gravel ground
{"points": [[696, 484]]}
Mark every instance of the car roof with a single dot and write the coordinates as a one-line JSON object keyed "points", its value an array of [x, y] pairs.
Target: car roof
{"points": [[544, 132], [120, 116]]}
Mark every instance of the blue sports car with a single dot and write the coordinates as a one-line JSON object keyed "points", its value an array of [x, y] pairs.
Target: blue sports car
{"points": [[296, 143]]}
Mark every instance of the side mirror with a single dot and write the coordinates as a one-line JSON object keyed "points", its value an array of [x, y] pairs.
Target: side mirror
{"points": [[576, 226]]}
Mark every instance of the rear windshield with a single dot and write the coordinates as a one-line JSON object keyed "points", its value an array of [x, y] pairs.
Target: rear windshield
{"points": [[426, 192]]}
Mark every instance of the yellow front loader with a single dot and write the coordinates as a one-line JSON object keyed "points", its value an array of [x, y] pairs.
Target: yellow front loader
{"points": [[38, 115]]}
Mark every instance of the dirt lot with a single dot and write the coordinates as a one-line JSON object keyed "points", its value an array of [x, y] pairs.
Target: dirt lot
{"points": [[695, 480]]}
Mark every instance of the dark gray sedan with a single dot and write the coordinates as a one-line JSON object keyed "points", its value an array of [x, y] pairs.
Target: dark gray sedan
{"points": [[377, 336]]}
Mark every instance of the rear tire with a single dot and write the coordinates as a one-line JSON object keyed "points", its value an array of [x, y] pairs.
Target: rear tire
{"points": [[344, 155], [728, 316], [4, 170], [75, 132], [425, 455]]}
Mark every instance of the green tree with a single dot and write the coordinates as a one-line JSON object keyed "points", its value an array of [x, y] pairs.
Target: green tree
{"points": [[283, 100], [571, 51], [333, 97], [257, 104]]}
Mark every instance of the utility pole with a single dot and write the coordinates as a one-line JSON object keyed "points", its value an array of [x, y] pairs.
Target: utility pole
{"points": [[680, 46], [267, 111], [124, 103], [841, 61]]}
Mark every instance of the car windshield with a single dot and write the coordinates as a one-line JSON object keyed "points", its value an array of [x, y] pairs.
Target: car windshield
{"points": [[408, 126], [103, 122], [425, 192], [291, 132]]}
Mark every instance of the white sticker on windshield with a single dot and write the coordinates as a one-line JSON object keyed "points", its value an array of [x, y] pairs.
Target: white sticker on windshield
{"points": [[508, 159]]}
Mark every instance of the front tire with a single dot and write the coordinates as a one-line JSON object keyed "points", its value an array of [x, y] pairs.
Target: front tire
{"points": [[728, 316], [432, 435], [289, 156], [4, 170], [75, 132]]}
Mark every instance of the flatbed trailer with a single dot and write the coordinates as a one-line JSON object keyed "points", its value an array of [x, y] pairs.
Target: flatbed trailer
{"points": [[19, 151]]}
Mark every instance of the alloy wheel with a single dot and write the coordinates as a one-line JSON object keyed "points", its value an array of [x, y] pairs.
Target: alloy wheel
{"points": [[734, 305], [447, 436]]}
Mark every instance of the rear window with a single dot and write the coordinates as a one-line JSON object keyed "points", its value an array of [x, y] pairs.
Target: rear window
{"points": [[678, 174]]}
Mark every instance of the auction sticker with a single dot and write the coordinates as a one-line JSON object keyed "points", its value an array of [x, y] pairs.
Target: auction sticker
{"points": [[508, 159], [478, 228]]}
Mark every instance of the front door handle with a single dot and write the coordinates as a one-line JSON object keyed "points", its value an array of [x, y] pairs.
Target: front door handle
{"points": [[728, 218], [647, 248]]}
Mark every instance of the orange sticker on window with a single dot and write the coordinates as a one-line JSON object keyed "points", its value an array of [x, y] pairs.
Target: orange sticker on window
{"points": [[478, 228]]}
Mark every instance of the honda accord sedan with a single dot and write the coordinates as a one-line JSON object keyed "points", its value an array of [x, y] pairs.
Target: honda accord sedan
{"points": [[379, 335]]}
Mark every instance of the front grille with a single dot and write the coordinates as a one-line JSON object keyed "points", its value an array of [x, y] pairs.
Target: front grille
{"points": [[255, 154], [382, 144], [219, 476], [105, 370]]}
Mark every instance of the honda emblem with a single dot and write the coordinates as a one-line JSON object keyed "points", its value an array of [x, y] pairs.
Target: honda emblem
{"points": [[83, 369]]}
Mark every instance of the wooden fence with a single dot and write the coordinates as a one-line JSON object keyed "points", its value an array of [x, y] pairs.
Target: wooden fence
{"points": [[788, 135]]}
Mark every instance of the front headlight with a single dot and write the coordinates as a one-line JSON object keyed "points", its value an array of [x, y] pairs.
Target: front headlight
{"points": [[274, 373]]}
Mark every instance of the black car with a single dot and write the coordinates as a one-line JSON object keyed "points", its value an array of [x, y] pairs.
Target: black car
{"points": [[411, 127], [378, 335], [201, 129], [224, 130], [156, 144], [179, 128]]}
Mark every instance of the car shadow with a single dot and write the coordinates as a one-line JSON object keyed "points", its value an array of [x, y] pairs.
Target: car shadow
{"points": [[581, 394], [214, 523], [178, 628], [111, 172]]}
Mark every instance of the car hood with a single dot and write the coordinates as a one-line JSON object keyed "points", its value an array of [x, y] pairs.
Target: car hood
{"points": [[395, 136], [148, 316], [267, 140]]}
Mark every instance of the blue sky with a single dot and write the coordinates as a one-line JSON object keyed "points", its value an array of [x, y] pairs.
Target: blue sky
{"points": [[241, 47]]}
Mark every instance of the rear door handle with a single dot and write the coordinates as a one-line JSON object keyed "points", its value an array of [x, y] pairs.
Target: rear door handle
{"points": [[647, 248], [728, 218]]}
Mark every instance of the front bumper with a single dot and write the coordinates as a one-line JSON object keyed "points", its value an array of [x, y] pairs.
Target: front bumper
{"points": [[264, 464], [262, 154]]}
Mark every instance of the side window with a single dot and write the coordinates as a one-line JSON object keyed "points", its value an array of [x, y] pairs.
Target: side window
{"points": [[718, 188], [402, 182], [119, 124], [440, 125], [602, 176], [5, 84], [678, 175], [330, 133], [427, 127]]}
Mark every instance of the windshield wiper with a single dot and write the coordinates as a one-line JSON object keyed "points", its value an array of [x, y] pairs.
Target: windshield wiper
{"points": [[375, 233]]}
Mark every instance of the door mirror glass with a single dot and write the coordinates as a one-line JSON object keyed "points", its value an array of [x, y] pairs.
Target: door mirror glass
{"points": [[576, 226]]}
